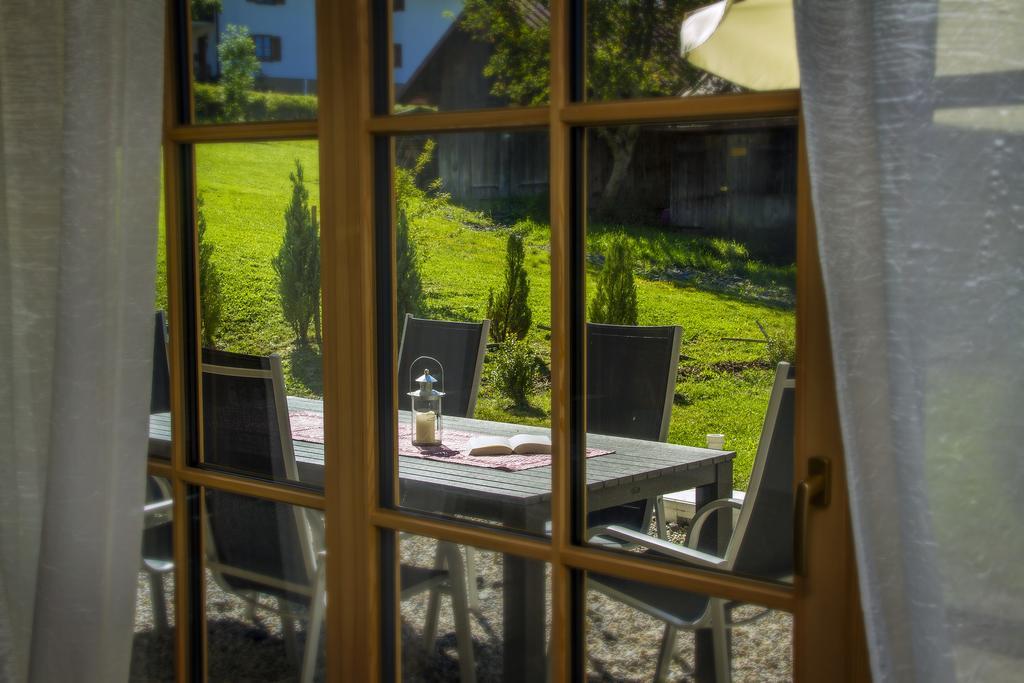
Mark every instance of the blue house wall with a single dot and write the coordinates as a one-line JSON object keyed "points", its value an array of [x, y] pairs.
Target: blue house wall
{"points": [[418, 28]]}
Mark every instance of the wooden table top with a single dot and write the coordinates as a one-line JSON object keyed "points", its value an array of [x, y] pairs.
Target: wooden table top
{"points": [[633, 460]]}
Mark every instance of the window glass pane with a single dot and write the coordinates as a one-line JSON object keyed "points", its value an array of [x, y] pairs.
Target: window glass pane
{"points": [[690, 285], [502, 620], [253, 60], [259, 280], [469, 54], [635, 630], [153, 644], [265, 596], [680, 48], [472, 241]]}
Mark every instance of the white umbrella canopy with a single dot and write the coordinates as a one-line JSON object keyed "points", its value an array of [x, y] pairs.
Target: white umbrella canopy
{"points": [[751, 43]]}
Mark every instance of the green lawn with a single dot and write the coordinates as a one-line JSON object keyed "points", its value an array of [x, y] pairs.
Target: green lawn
{"points": [[710, 287]]}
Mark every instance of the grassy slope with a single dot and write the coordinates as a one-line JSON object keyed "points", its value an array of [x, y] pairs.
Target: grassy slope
{"points": [[722, 387]]}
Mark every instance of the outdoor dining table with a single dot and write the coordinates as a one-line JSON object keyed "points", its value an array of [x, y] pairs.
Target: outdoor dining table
{"points": [[634, 470]]}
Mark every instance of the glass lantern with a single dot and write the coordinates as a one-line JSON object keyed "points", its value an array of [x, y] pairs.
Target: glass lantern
{"points": [[425, 405]]}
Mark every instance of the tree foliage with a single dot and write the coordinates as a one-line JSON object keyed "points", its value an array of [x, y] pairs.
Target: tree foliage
{"points": [[416, 201], [413, 202], [238, 69], [407, 269], [632, 51], [211, 298], [205, 10], [615, 301], [509, 311], [297, 264]]}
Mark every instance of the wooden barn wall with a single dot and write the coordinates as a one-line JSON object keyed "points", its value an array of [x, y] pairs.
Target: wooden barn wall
{"points": [[738, 185], [644, 193]]}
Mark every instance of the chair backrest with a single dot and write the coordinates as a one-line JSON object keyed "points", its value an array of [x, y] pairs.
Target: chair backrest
{"points": [[762, 544], [160, 392], [631, 379], [459, 347], [257, 543]]}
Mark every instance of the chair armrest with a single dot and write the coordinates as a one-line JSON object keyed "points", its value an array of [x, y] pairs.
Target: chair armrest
{"points": [[697, 523], [662, 547], [158, 513]]}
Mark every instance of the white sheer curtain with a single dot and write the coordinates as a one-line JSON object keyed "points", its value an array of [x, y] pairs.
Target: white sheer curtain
{"points": [[80, 108], [915, 122]]}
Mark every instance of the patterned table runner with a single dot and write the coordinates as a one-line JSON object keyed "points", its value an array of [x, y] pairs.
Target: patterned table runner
{"points": [[308, 425]]}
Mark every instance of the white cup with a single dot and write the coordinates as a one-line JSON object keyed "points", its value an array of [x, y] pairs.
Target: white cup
{"points": [[716, 441]]}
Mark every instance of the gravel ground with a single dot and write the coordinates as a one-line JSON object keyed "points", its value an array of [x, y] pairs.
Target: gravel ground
{"points": [[622, 643]]}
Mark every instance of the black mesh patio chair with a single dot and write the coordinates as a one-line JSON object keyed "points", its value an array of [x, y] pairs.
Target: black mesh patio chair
{"points": [[631, 380], [460, 349], [761, 544], [259, 546]]}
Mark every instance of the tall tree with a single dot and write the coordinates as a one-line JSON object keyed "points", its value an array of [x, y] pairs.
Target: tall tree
{"points": [[632, 51], [297, 264], [615, 302], [211, 300], [238, 68], [407, 270], [509, 311]]}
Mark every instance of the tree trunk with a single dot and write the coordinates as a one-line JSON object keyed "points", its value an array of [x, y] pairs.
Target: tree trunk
{"points": [[621, 142]]}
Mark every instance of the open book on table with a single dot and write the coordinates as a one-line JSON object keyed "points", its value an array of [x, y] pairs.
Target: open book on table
{"points": [[520, 444]]}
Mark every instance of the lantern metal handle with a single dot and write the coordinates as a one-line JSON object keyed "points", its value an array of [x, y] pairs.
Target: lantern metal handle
{"points": [[412, 368]]}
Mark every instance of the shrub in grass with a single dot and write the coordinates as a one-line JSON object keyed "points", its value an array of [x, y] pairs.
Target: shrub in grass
{"points": [[509, 311], [298, 262], [239, 66], [514, 370], [780, 348], [407, 266], [615, 300], [211, 298]]}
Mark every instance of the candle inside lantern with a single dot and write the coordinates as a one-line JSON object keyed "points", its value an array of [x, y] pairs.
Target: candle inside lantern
{"points": [[425, 426]]}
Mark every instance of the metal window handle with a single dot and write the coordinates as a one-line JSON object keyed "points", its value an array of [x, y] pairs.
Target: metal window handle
{"points": [[815, 490]]}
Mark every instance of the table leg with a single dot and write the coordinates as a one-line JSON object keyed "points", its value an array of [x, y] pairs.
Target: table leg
{"points": [[714, 539], [524, 600]]}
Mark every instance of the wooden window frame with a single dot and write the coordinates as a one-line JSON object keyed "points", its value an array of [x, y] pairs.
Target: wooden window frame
{"points": [[828, 634]]}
